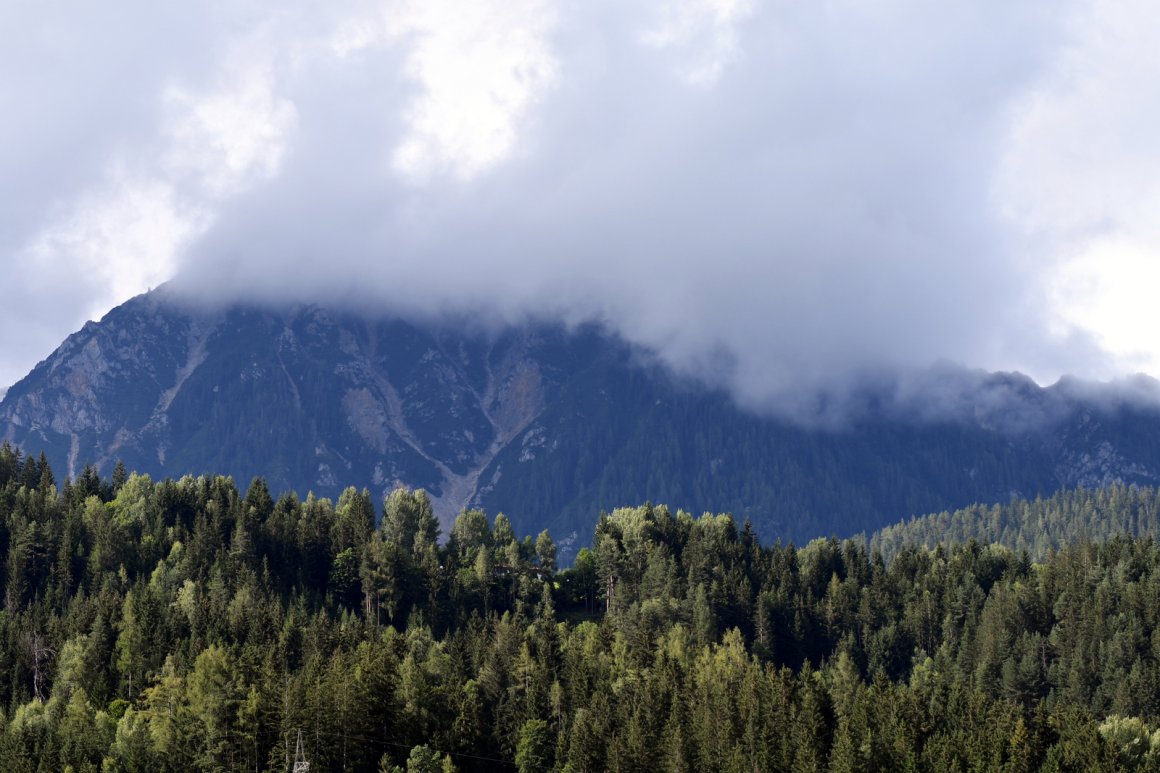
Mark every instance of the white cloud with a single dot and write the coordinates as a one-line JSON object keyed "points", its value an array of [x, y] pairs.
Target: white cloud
{"points": [[1083, 153], [119, 240], [705, 33], [229, 138], [1113, 290], [1080, 182], [480, 67]]}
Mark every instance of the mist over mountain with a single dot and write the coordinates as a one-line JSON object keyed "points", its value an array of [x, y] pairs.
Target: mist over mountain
{"points": [[773, 198], [548, 423]]}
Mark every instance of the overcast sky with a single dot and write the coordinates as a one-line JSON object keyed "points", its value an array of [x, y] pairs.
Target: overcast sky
{"points": [[779, 193]]}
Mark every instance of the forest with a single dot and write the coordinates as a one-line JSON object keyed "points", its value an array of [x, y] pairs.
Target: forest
{"points": [[1038, 525], [189, 625]]}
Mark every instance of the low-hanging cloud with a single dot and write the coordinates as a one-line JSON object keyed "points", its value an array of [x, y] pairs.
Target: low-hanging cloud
{"points": [[777, 197]]}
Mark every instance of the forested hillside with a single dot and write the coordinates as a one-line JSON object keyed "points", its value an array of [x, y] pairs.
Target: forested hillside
{"points": [[1036, 526], [186, 625]]}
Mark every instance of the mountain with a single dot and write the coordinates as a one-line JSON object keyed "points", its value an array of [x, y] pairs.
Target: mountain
{"points": [[548, 424]]}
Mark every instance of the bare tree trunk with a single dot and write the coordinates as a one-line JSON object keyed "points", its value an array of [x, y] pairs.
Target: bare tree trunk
{"points": [[38, 654]]}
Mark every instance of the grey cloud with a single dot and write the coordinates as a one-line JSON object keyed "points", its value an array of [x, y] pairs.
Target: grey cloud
{"points": [[823, 209], [822, 212]]}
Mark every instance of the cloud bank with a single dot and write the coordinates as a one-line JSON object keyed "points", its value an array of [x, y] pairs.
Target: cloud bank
{"points": [[778, 197]]}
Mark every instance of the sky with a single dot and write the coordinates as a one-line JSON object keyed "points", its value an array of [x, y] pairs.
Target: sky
{"points": [[777, 196]]}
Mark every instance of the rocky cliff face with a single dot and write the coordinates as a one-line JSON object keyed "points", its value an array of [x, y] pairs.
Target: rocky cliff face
{"points": [[546, 424], [308, 398]]}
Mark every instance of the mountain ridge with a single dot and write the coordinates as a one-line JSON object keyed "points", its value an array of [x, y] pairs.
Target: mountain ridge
{"points": [[547, 423]]}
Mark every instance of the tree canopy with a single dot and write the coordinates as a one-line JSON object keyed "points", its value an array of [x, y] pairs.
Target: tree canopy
{"points": [[189, 625]]}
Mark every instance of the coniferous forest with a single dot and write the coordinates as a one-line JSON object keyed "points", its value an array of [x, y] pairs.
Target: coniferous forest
{"points": [[1038, 525], [190, 625]]}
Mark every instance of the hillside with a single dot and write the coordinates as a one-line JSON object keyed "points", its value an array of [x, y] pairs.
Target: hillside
{"points": [[1037, 526], [547, 424], [186, 625]]}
